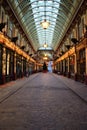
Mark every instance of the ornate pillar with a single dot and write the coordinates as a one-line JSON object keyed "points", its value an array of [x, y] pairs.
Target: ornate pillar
{"points": [[4, 65], [64, 67], [86, 64], [75, 67], [22, 67], [27, 66], [68, 67], [14, 66], [85, 36], [68, 47], [35, 68], [59, 66], [54, 68]]}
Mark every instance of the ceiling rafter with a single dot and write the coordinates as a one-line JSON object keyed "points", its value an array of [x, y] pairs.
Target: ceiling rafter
{"points": [[29, 5], [32, 12]]}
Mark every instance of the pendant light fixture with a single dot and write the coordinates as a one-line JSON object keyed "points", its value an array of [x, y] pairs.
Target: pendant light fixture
{"points": [[45, 24]]}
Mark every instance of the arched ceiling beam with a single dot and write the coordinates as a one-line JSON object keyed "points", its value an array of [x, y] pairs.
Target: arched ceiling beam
{"points": [[60, 25], [36, 29], [31, 19], [37, 12], [30, 3], [50, 31], [39, 29]]}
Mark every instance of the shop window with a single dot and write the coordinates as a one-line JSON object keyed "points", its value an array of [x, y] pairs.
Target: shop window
{"points": [[8, 63], [19, 66], [82, 54], [12, 63], [0, 60], [66, 65], [81, 64], [24, 66], [72, 62], [77, 54], [82, 68]]}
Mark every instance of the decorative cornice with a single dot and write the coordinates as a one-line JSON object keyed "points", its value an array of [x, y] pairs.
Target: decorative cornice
{"points": [[14, 19], [12, 46], [82, 44], [75, 20]]}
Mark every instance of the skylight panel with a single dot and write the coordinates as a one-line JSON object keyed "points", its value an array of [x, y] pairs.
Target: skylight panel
{"points": [[39, 14]]}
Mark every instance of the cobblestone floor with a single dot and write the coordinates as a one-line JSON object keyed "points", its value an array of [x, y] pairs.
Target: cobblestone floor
{"points": [[43, 102]]}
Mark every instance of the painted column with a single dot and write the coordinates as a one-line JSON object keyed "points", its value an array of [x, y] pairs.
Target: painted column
{"points": [[14, 66], [4, 65], [68, 67], [75, 67], [22, 66], [27, 68], [54, 68], [86, 64], [64, 64], [59, 66], [36, 68], [85, 35]]}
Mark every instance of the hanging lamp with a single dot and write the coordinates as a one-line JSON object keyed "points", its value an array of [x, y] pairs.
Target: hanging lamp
{"points": [[45, 24]]}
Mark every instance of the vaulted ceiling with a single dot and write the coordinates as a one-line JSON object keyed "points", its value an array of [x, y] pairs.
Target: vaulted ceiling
{"points": [[30, 14]]}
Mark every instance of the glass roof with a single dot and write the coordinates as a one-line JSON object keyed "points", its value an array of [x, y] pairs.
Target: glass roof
{"points": [[31, 13]]}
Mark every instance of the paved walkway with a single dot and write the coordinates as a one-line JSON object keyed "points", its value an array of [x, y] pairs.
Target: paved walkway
{"points": [[9, 88], [44, 101], [79, 88]]}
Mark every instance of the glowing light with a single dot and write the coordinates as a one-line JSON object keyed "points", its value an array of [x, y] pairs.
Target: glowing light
{"points": [[45, 58], [45, 45], [45, 54], [45, 24]]}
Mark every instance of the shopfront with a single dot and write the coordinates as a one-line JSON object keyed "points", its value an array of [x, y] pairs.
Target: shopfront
{"points": [[18, 66], [9, 65], [24, 67], [0, 64], [66, 66], [72, 66], [81, 65]]}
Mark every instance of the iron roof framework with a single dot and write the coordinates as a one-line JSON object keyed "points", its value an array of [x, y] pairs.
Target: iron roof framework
{"points": [[31, 13]]}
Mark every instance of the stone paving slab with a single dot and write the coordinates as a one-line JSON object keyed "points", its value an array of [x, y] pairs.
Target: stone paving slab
{"points": [[11, 87], [79, 88], [43, 103]]}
